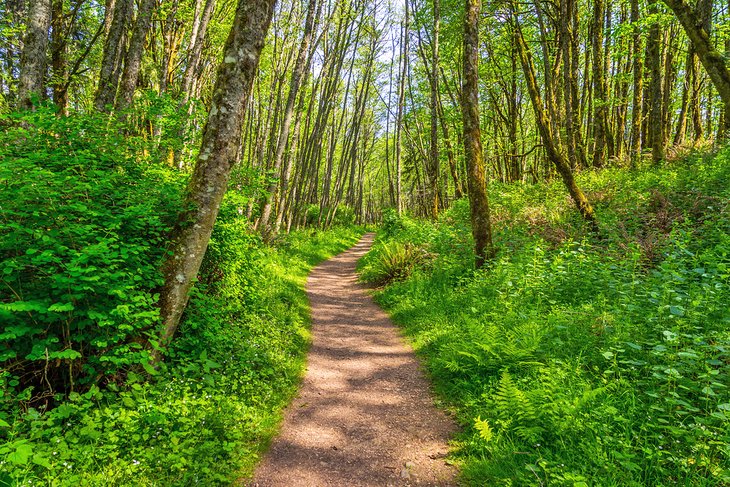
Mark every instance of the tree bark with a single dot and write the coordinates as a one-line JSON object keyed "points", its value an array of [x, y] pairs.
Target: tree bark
{"points": [[600, 105], [481, 225], [301, 64], [552, 148], [196, 49], [399, 114], [711, 58], [106, 91], [208, 184], [133, 60], [656, 98], [33, 57], [435, 170], [59, 67], [638, 89]]}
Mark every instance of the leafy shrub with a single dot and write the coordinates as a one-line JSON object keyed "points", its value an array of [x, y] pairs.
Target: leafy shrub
{"points": [[83, 224], [204, 418]]}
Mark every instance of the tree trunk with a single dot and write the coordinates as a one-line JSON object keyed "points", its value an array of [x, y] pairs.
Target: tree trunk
{"points": [[712, 59], [481, 225], [435, 170], [133, 60], [59, 68], [196, 49], [681, 132], [399, 114], [221, 137], [302, 64], [600, 103], [656, 98], [106, 91], [552, 148], [33, 57], [638, 68]]}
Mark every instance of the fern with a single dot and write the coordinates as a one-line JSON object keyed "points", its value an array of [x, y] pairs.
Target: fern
{"points": [[515, 407]]}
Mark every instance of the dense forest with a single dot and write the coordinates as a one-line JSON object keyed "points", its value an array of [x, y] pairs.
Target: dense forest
{"points": [[549, 182]]}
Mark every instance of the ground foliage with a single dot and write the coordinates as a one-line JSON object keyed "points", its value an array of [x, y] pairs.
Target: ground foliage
{"points": [[85, 212], [575, 359]]}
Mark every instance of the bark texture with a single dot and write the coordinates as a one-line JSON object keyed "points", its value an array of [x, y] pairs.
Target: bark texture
{"points": [[133, 61], [481, 225], [110, 71], [711, 58], [301, 64], [33, 57], [656, 99], [209, 181], [552, 147], [435, 169]]}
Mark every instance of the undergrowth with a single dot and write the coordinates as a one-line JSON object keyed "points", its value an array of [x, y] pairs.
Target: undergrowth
{"points": [[84, 214], [574, 360]]}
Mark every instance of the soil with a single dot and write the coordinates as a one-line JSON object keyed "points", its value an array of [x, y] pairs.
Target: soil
{"points": [[364, 415]]}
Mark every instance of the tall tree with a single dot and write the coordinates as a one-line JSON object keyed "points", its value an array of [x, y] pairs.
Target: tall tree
{"points": [[133, 60], [113, 54], [435, 169], [638, 85], [656, 98], [33, 57], [399, 113], [301, 64], [713, 61], [551, 142], [217, 154], [481, 225]]}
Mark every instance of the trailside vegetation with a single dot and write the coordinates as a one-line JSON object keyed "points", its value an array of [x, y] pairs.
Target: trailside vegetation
{"points": [[83, 222], [573, 359]]}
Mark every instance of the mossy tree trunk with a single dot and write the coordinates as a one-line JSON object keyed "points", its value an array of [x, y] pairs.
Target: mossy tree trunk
{"points": [[112, 56], [133, 60], [481, 225], [552, 145], [711, 58], [208, 184]]}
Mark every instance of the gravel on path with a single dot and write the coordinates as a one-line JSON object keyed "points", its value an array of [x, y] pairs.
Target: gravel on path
{"points": [[364, 415]]}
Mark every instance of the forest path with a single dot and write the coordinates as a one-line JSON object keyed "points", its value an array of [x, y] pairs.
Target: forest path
{"points": [[364, 415]]}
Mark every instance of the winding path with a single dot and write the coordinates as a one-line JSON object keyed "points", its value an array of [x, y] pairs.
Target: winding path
{"points": [[364, 415]]}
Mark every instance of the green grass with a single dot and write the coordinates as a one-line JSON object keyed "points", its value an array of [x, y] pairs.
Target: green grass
{"points": [[575, 360]]}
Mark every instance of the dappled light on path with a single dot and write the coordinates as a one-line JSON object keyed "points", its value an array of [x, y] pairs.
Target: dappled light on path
{"points": [[364, 415]]}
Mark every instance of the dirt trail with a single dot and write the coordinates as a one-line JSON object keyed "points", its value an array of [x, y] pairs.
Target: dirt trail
{"points": [[364, 415]]}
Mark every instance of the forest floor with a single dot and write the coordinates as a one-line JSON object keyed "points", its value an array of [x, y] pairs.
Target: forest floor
{"points": [[365, 415]]}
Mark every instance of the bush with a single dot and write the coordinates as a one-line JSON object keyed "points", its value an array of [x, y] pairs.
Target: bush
{"points": [[83, 224]]}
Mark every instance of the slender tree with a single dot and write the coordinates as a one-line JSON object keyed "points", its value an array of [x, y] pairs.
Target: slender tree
{"points": [[133, 60], [551, 142], [113, 55], [301, 64], [713, 61], [476, 177], [209, 181]]}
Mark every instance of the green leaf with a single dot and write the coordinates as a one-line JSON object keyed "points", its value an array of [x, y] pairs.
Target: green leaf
{"points": [[148, 368], [61, 307], [21, 455], [676, 310], [4, 424]]}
